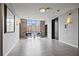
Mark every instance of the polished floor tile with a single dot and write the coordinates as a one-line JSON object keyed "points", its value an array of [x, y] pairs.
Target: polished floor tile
{"points": [[43, 47]]}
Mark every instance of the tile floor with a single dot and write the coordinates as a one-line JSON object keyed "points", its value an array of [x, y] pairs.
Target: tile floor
{"points": [[43, 47]]}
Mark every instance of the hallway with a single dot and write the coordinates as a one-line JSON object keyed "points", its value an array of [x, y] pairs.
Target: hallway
{"points": [[43, 47], [35, 19]]}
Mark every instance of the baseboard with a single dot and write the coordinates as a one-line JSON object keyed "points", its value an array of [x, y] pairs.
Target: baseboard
{"points": [[10, 49], [69, 44]]}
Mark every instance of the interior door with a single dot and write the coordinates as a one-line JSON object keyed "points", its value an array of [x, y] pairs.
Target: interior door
{"points": [[55, 28], [46, 30]]}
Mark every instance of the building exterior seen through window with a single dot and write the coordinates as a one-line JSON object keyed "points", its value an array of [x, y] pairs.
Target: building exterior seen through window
{"points": [[33, 27]]}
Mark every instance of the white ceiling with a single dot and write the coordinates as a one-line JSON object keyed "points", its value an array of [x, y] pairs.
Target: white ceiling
{"points": [[31, 10]]}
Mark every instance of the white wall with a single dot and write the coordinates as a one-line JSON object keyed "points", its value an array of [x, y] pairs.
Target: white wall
{"points": [[10, 39], [48, 22], [70, 35]]}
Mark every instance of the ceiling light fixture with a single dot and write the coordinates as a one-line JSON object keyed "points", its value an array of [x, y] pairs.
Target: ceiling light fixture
{"points": [[42, 10]]}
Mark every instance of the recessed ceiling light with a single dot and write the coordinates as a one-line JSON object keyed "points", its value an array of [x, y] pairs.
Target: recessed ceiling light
{"points": [[58, 10]]}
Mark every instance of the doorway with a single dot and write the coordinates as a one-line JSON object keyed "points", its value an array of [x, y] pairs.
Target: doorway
{"points": [[55, 28], [46, 30], [29, 28]]}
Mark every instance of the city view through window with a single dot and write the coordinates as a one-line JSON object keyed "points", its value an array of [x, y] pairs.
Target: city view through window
{"points": [[33, 27]]}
